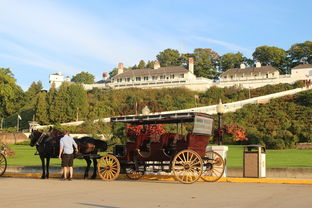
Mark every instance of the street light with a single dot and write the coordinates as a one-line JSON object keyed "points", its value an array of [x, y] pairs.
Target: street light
{"points": [[220, 111]]}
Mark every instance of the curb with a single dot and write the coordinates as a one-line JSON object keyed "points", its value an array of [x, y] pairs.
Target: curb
{"points": [[171, 178]]}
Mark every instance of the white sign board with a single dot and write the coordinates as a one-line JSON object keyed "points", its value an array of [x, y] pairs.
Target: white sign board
{"points": [[202, 125]]}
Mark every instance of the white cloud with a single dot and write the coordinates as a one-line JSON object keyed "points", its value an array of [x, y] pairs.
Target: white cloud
{"points": [[49, 28], [229, 46]]}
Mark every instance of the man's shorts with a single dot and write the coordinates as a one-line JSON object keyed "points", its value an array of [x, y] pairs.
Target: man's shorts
{"points": [[67, 160]]}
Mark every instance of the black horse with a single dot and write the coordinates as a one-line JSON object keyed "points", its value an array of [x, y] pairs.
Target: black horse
{"points": [[48, 145]]}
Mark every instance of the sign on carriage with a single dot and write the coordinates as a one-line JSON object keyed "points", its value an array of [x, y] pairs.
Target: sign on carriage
{"points": [[202, 125]]}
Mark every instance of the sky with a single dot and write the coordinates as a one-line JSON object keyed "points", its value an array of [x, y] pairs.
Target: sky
{"points": [[40, 37]]}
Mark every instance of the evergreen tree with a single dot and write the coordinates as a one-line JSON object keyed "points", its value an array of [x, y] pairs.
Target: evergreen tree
{"points": [[51, 103], [141, 64], [78, 104], [41, 108], [150, 64], [60, 103], [31, 94]]}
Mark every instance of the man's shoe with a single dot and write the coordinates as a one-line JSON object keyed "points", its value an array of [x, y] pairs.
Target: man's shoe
{"points": [[70, 179]]}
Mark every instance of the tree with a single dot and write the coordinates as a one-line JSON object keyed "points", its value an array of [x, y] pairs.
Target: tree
{"points": [[32, 92], [41, 108], [248, 61], [300, 53], [113, 72], [150, 64], [231, 60], [83, 77], [78, 105], [10, 93], [206, 61], [51, 95], [66, 104], [271, 55], [60, 103], [169, 57], [141, 65]]}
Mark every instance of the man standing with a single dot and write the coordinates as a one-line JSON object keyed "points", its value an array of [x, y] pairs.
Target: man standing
{"points": [[67, 154]]}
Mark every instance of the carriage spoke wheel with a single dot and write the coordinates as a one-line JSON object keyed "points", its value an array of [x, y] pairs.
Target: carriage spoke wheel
{"points": [[132, 174], [187, 166], [108, 167], [213, 168], [3, 164]]}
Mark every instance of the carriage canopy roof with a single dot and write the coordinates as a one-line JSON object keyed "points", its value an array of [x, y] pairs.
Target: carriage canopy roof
{"points": [[202, 122]]}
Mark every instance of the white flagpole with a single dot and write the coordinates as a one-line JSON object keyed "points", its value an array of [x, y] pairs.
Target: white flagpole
{"points": [[17, 127]]}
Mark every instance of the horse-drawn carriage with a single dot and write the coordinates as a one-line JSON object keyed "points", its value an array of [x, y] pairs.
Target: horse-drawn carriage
{"points": [[183, 154], [3, 161]]}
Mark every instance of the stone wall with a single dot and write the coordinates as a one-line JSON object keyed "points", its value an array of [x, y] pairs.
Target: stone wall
{"points": [[12, 138]]}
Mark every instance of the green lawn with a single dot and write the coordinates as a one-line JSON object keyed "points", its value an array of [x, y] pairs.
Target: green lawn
{"points": [[275, 158], [25, 156]]}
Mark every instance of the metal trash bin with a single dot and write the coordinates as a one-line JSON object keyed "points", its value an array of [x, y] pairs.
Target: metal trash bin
{"points": [[254, 164]]}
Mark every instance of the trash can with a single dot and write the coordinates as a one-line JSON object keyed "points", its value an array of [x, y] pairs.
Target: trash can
{"points": [[254, 165]]}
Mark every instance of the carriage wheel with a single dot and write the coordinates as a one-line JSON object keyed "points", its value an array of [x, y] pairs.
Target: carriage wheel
{"points": [[3, 164], [213, 168], [187, 166], [132, 174], [108, 167]]}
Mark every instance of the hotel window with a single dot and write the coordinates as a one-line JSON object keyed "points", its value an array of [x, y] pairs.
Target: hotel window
{"points": [[145, 78], [154, 77], [138, 79], [162, 77], [181, 75], [171, 76], [127, 79]]}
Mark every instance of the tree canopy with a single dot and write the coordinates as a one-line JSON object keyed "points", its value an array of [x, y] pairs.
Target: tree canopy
{"points": [[206, 61], [83, 77], [231, 60], [300, 53], [271, 55], [169, 57], [10, 93]]}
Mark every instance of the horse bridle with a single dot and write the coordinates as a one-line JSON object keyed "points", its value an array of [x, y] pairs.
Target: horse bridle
{"points": [[40, 139]]}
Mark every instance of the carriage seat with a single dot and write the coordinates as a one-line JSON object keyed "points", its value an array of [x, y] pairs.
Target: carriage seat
{"points": [[171, 139]]}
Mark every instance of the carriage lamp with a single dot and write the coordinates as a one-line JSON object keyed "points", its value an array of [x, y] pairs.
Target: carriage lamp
{"points": [[220, 111]]}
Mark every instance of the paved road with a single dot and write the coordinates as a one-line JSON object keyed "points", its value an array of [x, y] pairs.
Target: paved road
{"points": [[19, 192]]}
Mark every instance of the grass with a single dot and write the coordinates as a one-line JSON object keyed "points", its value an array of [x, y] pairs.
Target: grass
{"points": [[274, 158], [25, 156]]}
